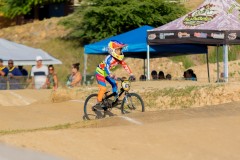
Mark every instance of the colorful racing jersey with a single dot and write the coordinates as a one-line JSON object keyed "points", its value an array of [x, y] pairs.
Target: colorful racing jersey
{"points": [[110, 63]]}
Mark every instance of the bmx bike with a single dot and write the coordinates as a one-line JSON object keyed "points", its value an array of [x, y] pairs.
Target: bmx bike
{"points": [[131, 102]]}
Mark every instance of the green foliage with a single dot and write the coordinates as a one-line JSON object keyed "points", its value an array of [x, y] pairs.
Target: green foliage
{"points": [[233, 54], [13, 8], [187, 62], [106, 18]]}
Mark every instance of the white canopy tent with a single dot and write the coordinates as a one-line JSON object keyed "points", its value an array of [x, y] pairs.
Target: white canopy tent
{"points": [[23, 55]]}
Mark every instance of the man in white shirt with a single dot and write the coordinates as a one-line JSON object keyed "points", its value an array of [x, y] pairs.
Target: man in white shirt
{"points": [[39, 74]]}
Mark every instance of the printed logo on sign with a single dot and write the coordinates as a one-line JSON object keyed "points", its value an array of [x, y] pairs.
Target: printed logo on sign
{"points": [[200, 35], [152, 36], [164, 35], [232, 36], [105, 49], [217, 35], [183, 35], [202, 15]]}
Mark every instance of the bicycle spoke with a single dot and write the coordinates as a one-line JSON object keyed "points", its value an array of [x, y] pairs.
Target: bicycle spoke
{"points": [[92, 111], [132, 103]]}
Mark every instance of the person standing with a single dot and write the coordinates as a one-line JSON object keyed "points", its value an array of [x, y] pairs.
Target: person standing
{"points": [[52, 80], [39, 74], [23, 70], [3, 75], [14, 76]]}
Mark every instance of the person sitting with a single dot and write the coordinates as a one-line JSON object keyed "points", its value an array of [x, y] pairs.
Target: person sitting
{"points": [[168, 77], [154, 75], [75, 77], [221, 79], [161, 75], [190, 75], [142, 78]]}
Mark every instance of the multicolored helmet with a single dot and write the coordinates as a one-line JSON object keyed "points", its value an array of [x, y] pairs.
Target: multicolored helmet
{"points": [[112, 46]]}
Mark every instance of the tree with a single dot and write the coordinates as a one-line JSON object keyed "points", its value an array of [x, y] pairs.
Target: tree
{"points": [[14, 8], [99, 19]]}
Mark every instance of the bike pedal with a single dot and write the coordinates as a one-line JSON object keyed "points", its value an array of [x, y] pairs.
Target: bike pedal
{"points": [[104, 108]]}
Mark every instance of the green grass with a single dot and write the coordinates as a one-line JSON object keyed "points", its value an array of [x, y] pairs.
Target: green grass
{"points": [[187, 62], [182, 97], [76, 125], [233, 54]]}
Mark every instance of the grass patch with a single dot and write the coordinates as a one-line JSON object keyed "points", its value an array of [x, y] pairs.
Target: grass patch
{"points": [[187, 62], [83, 124], [177, 98]]}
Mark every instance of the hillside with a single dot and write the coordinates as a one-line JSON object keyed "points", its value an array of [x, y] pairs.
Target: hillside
{"points": [[47, 35]]}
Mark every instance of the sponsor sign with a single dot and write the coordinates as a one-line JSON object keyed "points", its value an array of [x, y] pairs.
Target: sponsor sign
{"points": [[217, 35], [106, 49], [183, 35], [200, 35], [152, 36], [164, 35], [202, 15], [232, 36]]}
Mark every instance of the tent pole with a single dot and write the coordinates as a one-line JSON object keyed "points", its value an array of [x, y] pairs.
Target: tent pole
{"points": [[85, 68], [148, 63], [144, 66], [225, 56], [217, 63], [208, 67]]}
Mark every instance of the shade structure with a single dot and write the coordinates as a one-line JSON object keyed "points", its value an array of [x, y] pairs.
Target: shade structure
{"points": [[23, 55], [137, 47], [136, 41], [214, 22]]}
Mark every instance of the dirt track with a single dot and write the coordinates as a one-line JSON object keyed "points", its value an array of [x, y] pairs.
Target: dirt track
{"points": [[210, 132], [199, 133]]}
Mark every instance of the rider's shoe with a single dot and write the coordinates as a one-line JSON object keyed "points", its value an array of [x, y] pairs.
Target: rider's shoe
{"points": [[99, 106]]}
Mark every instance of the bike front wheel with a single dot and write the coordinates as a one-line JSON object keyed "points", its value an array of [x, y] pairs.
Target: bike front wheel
{"points": [[132, 103], [91, 110]]}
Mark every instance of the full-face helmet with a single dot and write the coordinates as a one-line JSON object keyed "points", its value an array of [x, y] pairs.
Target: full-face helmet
{"points": [[112, 46]]}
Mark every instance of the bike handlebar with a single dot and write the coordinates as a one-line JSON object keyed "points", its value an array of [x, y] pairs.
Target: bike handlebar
{"points": [[131, 78]]}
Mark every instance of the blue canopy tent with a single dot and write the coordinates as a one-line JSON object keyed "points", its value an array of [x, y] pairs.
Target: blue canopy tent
{"points": [[138, 47]]}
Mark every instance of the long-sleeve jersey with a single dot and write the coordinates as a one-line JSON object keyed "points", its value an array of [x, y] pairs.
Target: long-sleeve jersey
{"points": [[110, 62]]}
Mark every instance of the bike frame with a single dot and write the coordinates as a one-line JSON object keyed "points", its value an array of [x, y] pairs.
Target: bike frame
{"points": [[113, 94]]}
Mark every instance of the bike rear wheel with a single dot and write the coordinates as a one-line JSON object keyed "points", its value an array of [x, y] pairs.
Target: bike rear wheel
{"points": [[132, 103], [91, 110]]}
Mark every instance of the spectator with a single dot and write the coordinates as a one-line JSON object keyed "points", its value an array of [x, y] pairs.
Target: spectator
{"points": [[3, 75], [75, 77], [161, 75], [168, 77], [185, 75], [14, 76], [23, 71], [52, 80], [190, 75], [24, 76], [154, 75], [221, 79], [142, 78], [39, 74]]}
